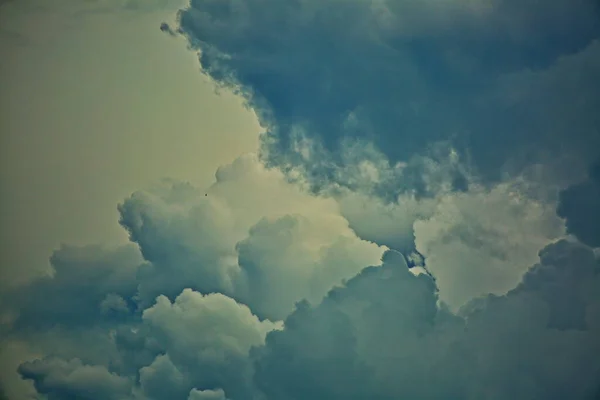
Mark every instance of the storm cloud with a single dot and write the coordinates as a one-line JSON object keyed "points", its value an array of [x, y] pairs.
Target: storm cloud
{"points": [[417, 223], [507, 82]]}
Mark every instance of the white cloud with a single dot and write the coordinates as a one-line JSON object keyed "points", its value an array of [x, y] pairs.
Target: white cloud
{"points": [[252, 235], [208, 338], [207, 395], [484, 240], [211, 325]]}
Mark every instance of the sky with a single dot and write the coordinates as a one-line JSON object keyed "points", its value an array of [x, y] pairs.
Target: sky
{"points": [[341, 199]]}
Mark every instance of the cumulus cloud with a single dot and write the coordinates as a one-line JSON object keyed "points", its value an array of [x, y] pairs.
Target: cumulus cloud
{"points": [[482, 241], [252, 236], [476, 239], [401, 233], [209, 336], [380, 332], [315, 257], [382, 336], [173, 312], [503, 80], [389, 199]]}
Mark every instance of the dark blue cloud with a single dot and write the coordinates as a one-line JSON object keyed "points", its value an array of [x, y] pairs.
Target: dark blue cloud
{"points": [[580, 206], [406, 74], [382, 336]]}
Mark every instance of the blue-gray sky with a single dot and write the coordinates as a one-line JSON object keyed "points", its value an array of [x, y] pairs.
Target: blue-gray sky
{"points": [[419, 219]]}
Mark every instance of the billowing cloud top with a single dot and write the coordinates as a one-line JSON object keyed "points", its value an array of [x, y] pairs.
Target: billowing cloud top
{"points": [[504, 80], [421, 221]]}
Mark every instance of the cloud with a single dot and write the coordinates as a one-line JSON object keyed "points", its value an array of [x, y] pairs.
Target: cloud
{"points": [[315, 256], [415, 116], [381, 332], [476, 239], [162, 379], [200, 257], [207, 395], [61, 299], [382, 202], [579, 206], [382, 336], [209, 337], [60, 379], [482, 241], [492, 77], [252, 236], [396, 236]]}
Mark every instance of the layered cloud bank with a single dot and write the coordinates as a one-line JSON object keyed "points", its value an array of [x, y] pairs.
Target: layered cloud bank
{"points": [[257, 289], [420, 223]]}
